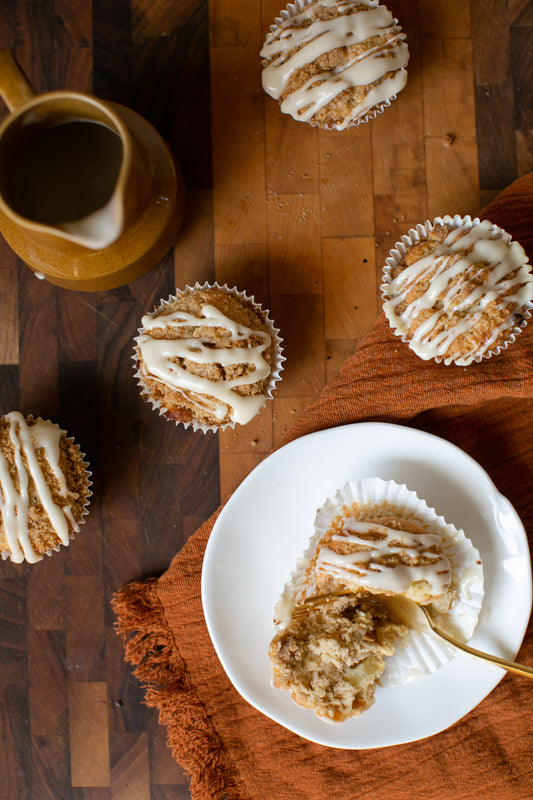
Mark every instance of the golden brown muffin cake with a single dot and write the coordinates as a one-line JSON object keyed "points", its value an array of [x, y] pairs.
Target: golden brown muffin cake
{"points": [[458, 290], [334, 64], [44, 487], [337, 633], [208, 355], [331, 657]]}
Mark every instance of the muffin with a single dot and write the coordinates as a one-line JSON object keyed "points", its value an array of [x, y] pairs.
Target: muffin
{"points": [[457, 290], [44, 485], [334, 64], [372, 540], [208, 357]]}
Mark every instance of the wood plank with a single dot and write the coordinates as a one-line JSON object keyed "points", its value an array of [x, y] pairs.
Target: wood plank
{"points": [[156, 18], [46, 596], [38, 347], [490, 43], [130, 774], [301, 319], [35, 23], [294, 257], [291, 153], [194, 250], [9, 301], [244, 266], [237, 97], [346, 201], [238, 193], [47, 672], [89, 737], [453, 184], [15, 739], [234, 467], [50, 767], [350, 301], [255, 437], [85, 628], [164, 770], [399, 169], [112, 51], [452, 16], [337, 351], [447, 70], [77, 321], [497, 163], [234, 24], [286, 412]]}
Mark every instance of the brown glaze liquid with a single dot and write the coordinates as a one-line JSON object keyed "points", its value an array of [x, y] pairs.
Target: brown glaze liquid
{"points": [[67, 172]]}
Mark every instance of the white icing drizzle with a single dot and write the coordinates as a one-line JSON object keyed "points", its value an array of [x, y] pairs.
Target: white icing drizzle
{"points": [[449, 262], [15, 502], [363, 567], [322, 36], [159, 362]]}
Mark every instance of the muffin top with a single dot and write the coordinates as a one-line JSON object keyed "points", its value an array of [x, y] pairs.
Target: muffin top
{"points": [[333, 63], [459, 293], [206, 355], [388, 555], [44, 487]]}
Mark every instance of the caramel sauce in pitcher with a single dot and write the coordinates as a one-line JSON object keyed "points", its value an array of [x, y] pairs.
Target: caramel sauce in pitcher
{"points": [[67, 172]]}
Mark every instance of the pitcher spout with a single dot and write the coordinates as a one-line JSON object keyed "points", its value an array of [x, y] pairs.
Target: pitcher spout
{"points": [[98, 230]]}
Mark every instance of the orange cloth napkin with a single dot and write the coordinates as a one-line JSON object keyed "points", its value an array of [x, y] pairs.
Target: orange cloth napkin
{"points": [[230, 750]]}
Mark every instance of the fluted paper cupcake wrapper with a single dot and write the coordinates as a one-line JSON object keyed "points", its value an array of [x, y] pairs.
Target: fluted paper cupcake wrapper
{"points": [[290, 11], [275, 372], [7, 555], [420, 653], [418, 234]]}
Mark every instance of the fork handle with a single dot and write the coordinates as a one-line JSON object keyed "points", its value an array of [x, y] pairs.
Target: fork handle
{"points": [[510, 666]]}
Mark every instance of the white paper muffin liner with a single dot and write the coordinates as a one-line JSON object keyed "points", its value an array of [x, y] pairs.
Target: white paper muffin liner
{"points": [[7, 555], [275, 372], [419, 234], [290, 11], [420, 653]]}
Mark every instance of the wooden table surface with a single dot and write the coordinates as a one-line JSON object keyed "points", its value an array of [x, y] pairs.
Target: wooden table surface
{"points": [[300, 218]]}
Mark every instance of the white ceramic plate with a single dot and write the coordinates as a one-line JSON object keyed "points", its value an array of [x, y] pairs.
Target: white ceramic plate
{"points": [[265, 527]]}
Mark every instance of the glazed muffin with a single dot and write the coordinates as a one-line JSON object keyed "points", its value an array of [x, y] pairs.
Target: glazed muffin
{"points": [[209, 357], [334, 64], [335, 624], [457, 290], [44, 484], [331, 657]]}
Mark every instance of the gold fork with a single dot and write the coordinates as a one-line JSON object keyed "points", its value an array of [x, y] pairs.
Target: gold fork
{"points": [[414, 616]]}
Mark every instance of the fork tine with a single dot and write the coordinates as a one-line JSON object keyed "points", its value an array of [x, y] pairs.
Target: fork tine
{"points": [[319, 599]]}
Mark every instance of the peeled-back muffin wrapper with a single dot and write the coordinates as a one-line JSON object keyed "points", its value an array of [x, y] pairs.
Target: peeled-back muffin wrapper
{"points": [[277, 360], [6, 554], [291, 10], [419, 234], [419, 653]]}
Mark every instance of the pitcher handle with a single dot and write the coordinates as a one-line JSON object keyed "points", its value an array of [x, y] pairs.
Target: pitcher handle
{"points": [[15, 88]]}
